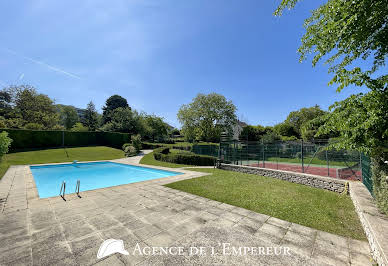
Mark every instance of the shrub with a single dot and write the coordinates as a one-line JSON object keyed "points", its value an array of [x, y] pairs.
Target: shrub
{"points": [[58, 127], [5, 142], [162, 150], [79, 127], [136, 142], [163, 154], [126, 145], [34, 126], [168, 141], [288, 138], [130, 151], [150, 145]]}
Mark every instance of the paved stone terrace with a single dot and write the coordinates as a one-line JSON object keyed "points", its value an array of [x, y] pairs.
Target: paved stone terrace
{"points": [[51, 231]]}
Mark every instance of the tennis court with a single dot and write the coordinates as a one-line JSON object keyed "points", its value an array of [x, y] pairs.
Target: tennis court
{"points": [[337, 172], [314, 157]]}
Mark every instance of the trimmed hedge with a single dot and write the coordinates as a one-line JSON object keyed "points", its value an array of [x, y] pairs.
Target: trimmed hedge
{"points": [[37, 139], [163, 154], [162, 150], [151, 146]]}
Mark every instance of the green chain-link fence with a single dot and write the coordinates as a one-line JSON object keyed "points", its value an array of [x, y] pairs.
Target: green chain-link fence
{"points": [[297, 156], [367, 172], [211, 150]]}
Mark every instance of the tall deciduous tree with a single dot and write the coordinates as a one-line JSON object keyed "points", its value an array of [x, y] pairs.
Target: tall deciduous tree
{"points": [[91, 117], [296, 119], [35, 108], [112, 103], [154, 127], [353, 36], [361, 120], [68, 116], [124, 120], [252, 133], [286, 129], [206, 117]]}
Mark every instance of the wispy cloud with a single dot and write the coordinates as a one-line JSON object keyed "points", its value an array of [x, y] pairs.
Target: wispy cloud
{"points": [[53, 68], [21, 76], [2, 83]]}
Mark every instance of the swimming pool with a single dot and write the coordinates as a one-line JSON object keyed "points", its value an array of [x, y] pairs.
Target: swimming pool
{"points": [[48, 178]]}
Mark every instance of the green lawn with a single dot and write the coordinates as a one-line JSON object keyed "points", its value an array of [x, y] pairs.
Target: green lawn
{"points": [[312, 207], [150, 160], [59, 155]]}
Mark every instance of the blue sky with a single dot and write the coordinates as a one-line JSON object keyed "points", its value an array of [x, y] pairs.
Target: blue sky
{"points": [[161, 54]]}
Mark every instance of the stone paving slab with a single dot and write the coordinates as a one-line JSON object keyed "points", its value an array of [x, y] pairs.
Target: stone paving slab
{"points": [[147, 214]]}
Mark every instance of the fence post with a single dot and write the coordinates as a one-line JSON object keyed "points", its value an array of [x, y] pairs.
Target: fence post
{"points": [[327, 163], [247, 151], [302, 155], [262, 144], [277, 159], [234, 151], [360, 165], [63, 138]]}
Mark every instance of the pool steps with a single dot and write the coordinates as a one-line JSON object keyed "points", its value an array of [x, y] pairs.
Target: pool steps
{"points": [[62, 191]]}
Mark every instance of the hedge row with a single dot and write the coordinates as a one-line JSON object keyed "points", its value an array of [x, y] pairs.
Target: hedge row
{"points": [[36, 139], [163, 154], [151, 146]]}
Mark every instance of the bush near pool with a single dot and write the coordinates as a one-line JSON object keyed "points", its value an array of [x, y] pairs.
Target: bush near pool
{"points": [[164, 154]]}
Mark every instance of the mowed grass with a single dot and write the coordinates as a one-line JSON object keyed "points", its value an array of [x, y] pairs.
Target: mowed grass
{"points": [[59, 155], [312, 207], [150, 160]]}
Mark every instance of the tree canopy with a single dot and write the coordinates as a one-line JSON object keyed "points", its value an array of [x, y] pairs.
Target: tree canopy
{"points": [[68, 116], [112, 103], [361, 120], [347, 33], [154, 127], [91, 117], [296, 119], [206, 117], [22, 106], [123, 119], [252, 133]]}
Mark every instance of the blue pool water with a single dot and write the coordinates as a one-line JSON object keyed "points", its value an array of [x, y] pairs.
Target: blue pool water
{"points": [[48, 178]]}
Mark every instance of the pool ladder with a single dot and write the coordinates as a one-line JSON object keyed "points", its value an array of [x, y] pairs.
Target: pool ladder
{"points": [[63, 189], [77, 188]]}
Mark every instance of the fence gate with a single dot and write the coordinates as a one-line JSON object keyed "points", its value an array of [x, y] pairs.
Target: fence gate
{"points": [[367, 173]]}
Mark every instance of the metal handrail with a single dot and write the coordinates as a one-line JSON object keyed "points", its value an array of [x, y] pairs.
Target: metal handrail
{"points": [[77, 187], [63, 189]]}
